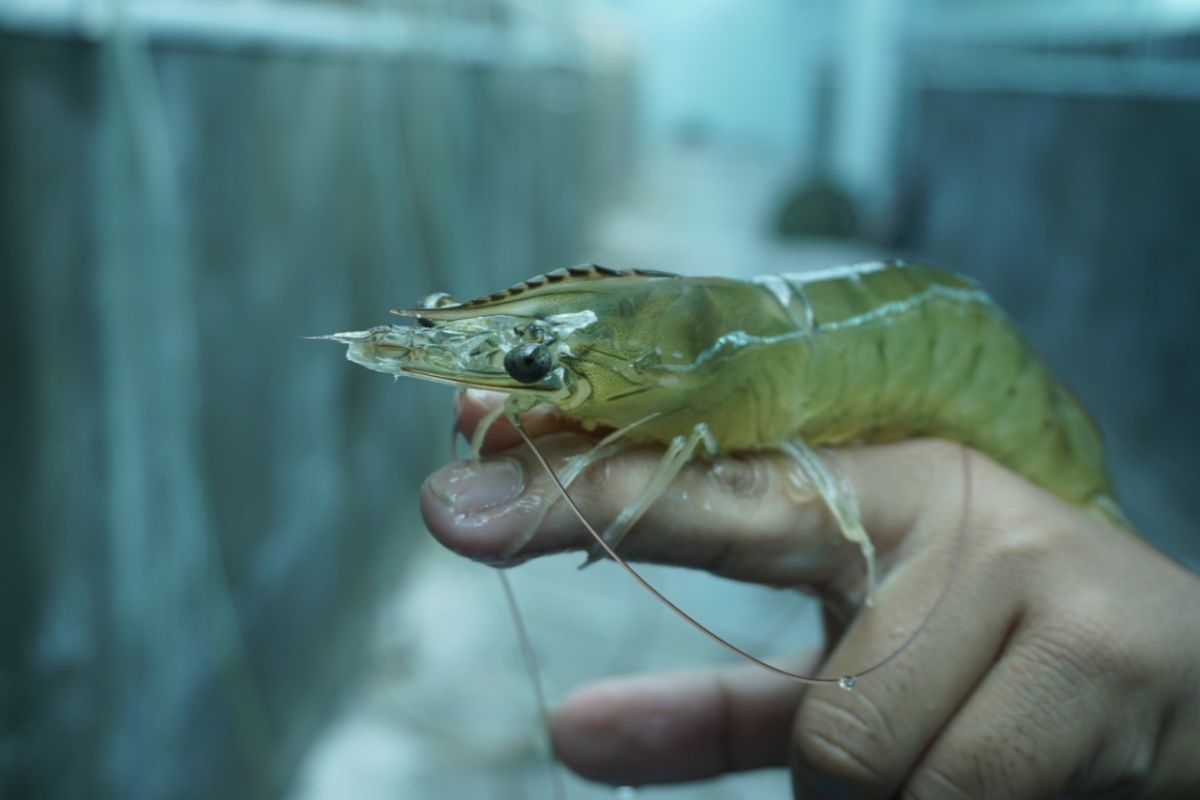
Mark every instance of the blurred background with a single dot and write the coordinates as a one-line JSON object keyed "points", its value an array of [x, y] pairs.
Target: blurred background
{"points": [[213, 579]]}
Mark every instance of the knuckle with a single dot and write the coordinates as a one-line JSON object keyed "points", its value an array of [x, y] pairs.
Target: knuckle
{"points": [[745, 477], [1082, 643], [1016, 539], [835, 742], [1010, 527]]}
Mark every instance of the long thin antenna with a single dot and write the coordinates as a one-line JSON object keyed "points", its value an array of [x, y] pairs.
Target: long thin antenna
{"points": [[845, 681], [559, 783], [524, 641]]}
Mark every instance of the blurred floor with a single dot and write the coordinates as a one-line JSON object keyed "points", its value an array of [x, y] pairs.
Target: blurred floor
{"points": [[443, 708]]}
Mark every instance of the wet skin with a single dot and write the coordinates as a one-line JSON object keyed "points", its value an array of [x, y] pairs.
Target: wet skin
{"points": [[1066, 661]]}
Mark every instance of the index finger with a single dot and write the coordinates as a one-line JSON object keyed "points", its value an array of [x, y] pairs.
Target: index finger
{"points": [[742, 517]]}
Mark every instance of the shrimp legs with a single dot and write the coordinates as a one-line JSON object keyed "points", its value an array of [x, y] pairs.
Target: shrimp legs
{"points": [[834, 490]]}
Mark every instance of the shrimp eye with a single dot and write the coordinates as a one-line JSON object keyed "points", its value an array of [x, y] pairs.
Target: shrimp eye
{"points": [[528, 363]]}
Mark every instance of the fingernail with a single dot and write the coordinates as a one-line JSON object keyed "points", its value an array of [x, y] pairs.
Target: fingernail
{"points": [[471, 488]]}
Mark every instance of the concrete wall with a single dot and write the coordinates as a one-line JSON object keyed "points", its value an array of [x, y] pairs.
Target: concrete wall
{"points": [[200, 504]]}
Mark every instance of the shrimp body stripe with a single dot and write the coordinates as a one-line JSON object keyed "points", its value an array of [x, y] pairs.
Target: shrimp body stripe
{"points": [[896, 351]]}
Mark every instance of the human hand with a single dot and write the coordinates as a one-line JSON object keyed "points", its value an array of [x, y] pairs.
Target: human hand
{"points": [[1065, 661]]}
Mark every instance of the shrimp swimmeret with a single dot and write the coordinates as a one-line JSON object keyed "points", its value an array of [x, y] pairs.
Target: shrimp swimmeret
{"points": [[864, 354]]}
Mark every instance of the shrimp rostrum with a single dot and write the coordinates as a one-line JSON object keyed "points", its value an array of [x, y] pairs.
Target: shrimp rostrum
{"points": [[863, 354]]}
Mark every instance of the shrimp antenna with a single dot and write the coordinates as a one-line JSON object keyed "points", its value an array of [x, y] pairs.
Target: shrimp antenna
{"points": [[555, 775], [524, 641], [845, 681]]}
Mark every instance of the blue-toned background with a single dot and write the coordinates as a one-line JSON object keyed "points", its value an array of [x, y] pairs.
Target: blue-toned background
{"points": [[213, 580]]}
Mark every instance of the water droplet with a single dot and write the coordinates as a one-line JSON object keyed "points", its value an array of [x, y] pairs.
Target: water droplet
{"points": [[626, 793], [848, 682]]}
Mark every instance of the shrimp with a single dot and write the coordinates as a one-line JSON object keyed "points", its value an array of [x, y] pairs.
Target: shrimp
{"points": [[869, 353]]}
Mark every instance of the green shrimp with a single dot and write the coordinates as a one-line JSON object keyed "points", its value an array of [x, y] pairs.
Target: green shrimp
{"points": [[868, 353]]}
